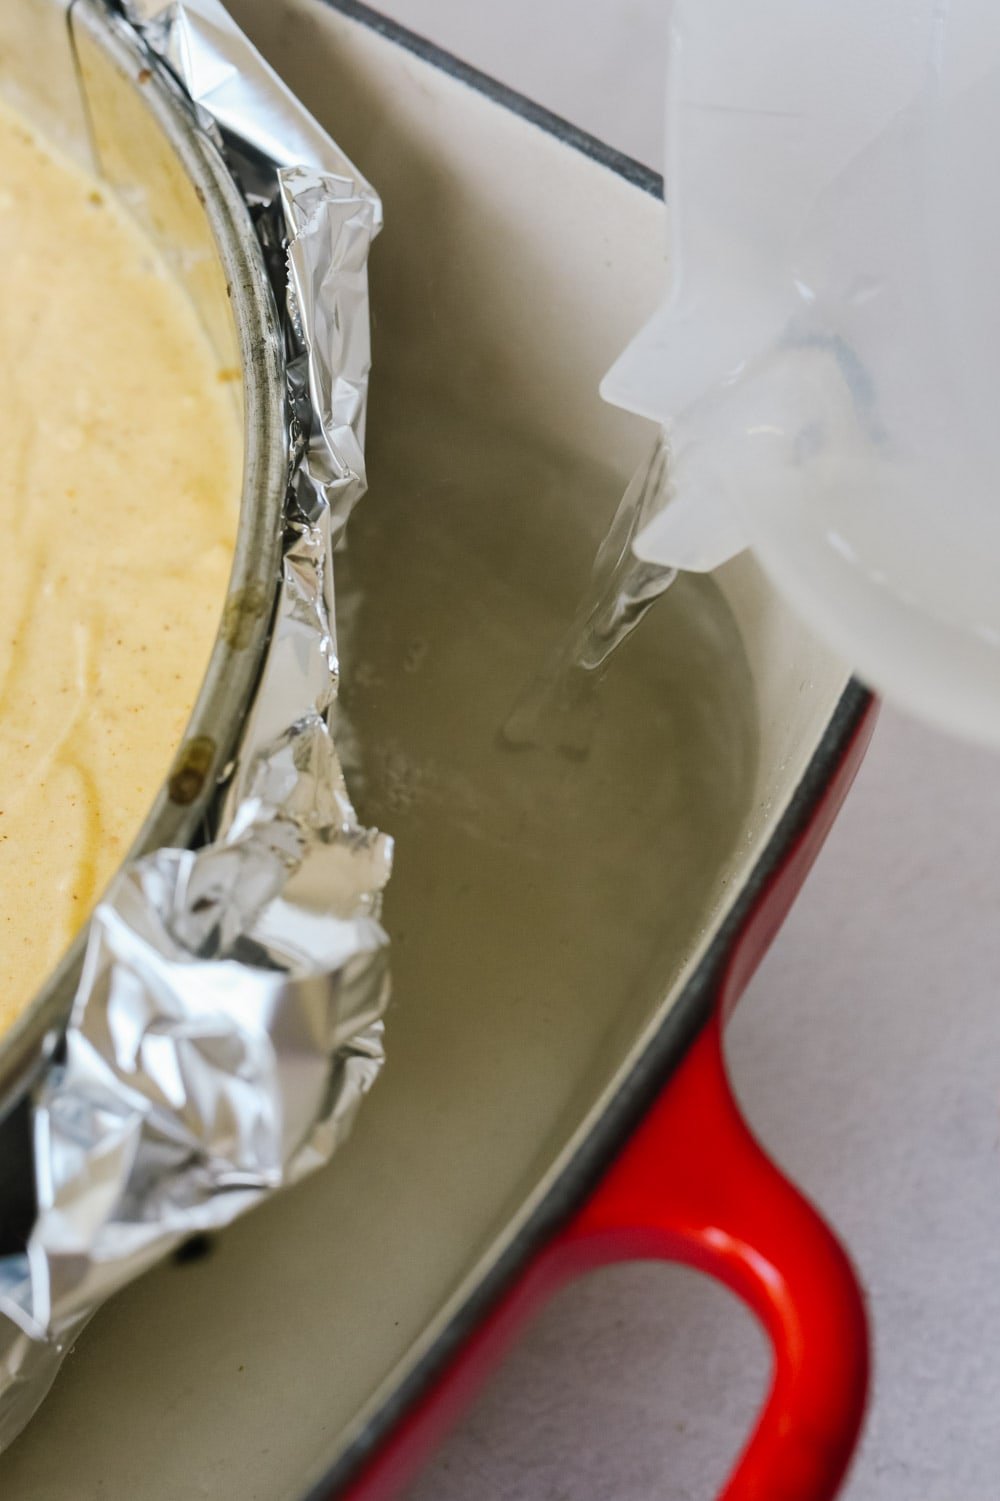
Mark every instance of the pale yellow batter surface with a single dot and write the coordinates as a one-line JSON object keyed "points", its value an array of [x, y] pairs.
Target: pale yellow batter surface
{"points": [[120, 468]]}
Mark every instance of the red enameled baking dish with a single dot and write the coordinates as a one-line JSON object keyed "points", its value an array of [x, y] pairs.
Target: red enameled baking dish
{"points": [[324, 1345]]}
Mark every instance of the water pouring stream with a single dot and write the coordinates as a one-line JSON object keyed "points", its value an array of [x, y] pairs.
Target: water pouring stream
{"points": [[558, 707]]}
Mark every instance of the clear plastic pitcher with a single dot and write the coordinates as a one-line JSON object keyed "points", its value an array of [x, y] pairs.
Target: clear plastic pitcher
{"points": [[827, 364]]}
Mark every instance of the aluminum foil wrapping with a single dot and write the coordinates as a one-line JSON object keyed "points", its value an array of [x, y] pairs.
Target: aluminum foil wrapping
{"points": [[228, 1021]]}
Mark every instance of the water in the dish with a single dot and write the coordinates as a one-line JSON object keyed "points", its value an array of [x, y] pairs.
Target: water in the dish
{"points": [[558, 708], [526, 880]]}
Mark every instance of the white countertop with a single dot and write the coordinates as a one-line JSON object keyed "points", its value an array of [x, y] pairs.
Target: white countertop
{"points": [[866, 1053]]}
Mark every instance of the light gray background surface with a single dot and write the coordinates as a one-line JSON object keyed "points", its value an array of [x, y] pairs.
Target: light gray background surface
{"points": [[867, 1055]]}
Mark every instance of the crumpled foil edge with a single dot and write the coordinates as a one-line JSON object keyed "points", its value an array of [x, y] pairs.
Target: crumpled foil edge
{"points": [[228, 1021]]}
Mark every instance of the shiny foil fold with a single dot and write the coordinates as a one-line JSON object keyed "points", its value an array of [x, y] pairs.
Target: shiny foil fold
{"points": [[229, 1017]]}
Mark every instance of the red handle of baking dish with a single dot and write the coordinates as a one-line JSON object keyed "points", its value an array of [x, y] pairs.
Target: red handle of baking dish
{"points": [[694, 1186]]}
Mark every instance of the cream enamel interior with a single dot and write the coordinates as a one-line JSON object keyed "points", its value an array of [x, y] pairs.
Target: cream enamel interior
{"points": [[247, 1373]]}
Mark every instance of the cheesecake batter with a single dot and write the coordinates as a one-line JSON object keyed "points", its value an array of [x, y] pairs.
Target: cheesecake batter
{"points": [[120, 471]]}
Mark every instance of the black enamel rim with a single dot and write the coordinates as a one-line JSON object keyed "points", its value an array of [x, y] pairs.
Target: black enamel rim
{"points": [[694, 1006]]}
